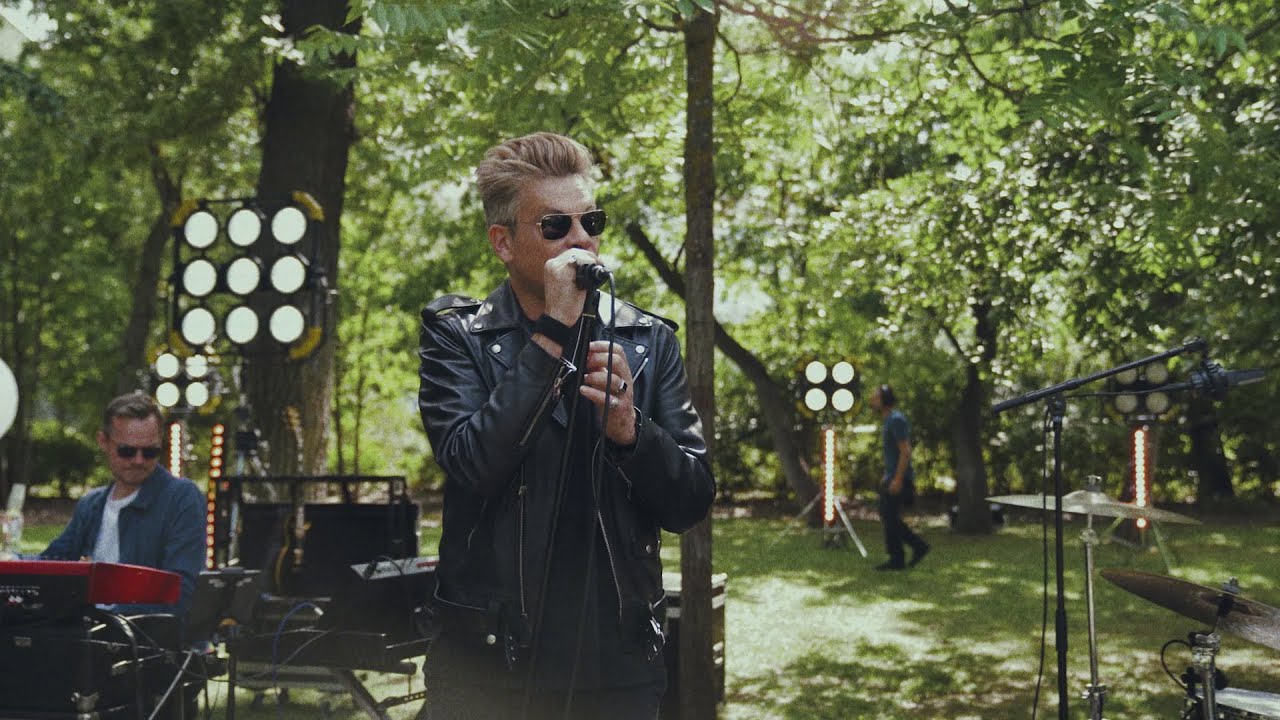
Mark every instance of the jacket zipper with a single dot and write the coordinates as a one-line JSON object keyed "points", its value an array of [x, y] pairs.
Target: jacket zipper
{"points": [[553, 391], [520, 513], [608, 548]]}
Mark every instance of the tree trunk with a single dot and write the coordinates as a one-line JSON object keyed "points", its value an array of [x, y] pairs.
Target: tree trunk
{"points": [[309, 129], [1213, 480], [971, 472], [697, 667], [974, 515], [777, 409], [142, 311]]}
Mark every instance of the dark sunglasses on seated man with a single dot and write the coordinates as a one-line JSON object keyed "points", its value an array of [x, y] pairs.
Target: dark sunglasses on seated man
{"points": [[128, 451], [557, 225]]}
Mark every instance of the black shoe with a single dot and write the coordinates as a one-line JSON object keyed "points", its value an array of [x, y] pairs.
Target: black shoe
{"points": [[890, 566], [918, 555]]}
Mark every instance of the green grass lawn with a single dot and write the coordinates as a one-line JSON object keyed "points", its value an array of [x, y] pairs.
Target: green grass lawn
{"points": [[814, 633]]}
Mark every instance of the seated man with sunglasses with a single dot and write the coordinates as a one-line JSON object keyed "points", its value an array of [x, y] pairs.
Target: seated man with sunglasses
{"points": [[564, 455], [146, 516]]}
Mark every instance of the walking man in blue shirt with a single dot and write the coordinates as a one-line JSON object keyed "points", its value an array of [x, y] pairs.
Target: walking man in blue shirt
{"points": [[898, 485]]}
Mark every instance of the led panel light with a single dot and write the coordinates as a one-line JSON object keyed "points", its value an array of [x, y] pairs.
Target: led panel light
{"points": [[200, 229], [197, 394], [243, 275], [198, 326], [815, 372], [286, 324], [842, 372], [842, 400], [199, 278], [197, 366], [815, 399], [242, 325], [288, 274], [168, 366], [288, 225], [244, 227], [168, 394]]}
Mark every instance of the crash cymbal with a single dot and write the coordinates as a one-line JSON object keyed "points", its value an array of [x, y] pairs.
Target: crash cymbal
{"points": [[1245, 618], [1088, 502]]}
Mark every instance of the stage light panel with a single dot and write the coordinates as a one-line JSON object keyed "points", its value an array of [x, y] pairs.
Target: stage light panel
{"points": [[288, 225], [1127, 377], [200, 229], [197, 326], [244, 274], [286, 324], [168, 366], [244, 227], [288, 274], [199, 278], [242, 325]]}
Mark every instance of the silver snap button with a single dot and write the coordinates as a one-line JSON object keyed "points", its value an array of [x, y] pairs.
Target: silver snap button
{"points": [[648, 549], [477, 325], [641, 349], [496, 348], [644, 321], [490, 639]]}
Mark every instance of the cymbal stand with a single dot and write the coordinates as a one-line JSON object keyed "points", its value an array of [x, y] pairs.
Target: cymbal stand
{"points": [[1097, 693], [1204, 649]]}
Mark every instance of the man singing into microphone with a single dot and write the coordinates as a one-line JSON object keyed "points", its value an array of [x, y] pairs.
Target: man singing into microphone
{"points": [[550, 585]]}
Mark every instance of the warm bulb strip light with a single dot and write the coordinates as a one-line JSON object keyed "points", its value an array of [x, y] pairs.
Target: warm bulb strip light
{"points": [[1140, 478], [829, 480], [216, 444]]}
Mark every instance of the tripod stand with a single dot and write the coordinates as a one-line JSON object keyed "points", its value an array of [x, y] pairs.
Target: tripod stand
{"points": [[832, 532]]}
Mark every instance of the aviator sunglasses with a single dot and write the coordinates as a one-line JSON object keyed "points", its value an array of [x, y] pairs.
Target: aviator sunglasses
{"points": [[128, 451], [557, 225]]}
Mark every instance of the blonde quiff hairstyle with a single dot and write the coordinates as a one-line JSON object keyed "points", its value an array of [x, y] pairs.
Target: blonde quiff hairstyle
{"points": [[507, 167]]}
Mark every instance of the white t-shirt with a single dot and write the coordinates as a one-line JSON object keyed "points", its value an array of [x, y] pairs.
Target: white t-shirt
{"points": [[107, 547]]}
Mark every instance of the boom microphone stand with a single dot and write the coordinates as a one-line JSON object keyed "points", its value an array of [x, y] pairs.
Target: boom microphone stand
{"points": [[1056, 401]]}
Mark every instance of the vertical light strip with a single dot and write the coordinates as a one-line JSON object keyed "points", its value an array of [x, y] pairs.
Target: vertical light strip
{"points": [[173, 460], [216, 443], [829, 479], [1140, 479]]}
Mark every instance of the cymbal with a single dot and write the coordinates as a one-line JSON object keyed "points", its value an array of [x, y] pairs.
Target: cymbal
{"points": [[1088, 502], [1248, 619]]}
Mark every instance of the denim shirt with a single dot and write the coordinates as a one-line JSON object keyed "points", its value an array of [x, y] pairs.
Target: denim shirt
{"points": [[163, 528]]}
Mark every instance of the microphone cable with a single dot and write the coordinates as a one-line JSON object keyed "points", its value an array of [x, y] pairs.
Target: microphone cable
{"points": [[586, 328]]}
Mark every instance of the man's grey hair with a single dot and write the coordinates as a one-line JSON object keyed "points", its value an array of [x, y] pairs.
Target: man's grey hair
{"points": [[507, 167]]}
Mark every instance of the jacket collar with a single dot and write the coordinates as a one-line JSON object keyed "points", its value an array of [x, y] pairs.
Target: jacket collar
{"points": [[501, 311]]}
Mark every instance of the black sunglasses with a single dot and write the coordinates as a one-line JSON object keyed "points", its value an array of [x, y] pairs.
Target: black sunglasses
{"points": [[557, 225], [128, 451]]}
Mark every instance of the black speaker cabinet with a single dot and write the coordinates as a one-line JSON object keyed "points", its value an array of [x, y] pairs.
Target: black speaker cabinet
{"points": [[337, 537]]}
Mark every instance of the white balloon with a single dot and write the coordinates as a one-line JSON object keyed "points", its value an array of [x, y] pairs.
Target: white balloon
{"points": [[8, 398]]}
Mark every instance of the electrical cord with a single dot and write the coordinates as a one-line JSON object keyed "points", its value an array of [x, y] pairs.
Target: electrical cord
{"points": [[597, 471], [1165, 665], [168, 692]]}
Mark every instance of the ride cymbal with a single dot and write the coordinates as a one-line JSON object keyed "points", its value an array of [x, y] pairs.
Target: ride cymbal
{"points": [[1087, 502], [1245, 618]]}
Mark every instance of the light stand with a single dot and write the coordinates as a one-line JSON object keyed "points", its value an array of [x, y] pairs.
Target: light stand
{"points": [[1056, 402]]}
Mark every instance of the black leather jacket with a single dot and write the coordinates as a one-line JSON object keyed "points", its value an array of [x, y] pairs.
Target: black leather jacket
{"points": [[488, 399]]}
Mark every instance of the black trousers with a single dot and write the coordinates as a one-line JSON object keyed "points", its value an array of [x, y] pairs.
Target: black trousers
{"points": [[896, 532], [455, 701]]}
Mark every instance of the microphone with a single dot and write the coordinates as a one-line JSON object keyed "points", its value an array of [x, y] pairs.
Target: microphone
{"points": [[592, 276], [1212, 381]]}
